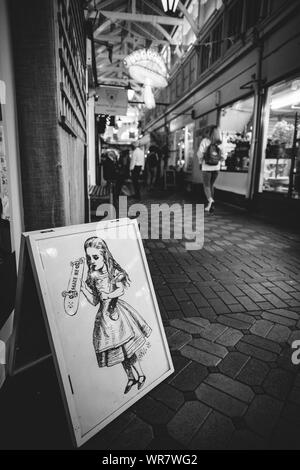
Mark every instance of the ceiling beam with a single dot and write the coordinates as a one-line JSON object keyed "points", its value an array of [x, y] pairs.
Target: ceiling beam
{"points": [[105, 56], [165, 34], [189, 18], [101, 28], [152, 19]]}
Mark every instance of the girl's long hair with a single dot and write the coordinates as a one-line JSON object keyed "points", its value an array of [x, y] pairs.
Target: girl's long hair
{"points": [[214, 135], [110, 262]]}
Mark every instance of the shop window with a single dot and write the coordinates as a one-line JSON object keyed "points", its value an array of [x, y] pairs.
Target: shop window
{"points": [[236, 123], [205, 54], [253, 9], [4, 194], [217, 42], [235, 16], [281, 153]]}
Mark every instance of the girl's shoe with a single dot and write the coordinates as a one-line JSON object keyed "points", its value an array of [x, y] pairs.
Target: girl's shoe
{"points": [[140, 382], [130, 384], [208, 207], [212, 208]]}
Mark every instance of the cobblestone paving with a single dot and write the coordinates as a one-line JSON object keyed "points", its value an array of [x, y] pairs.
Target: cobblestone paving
{"points": [[231, 311]]}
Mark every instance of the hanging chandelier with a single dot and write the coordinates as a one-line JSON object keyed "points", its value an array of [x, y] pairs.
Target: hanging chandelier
{"points": [[169, 5], [146, 66]]}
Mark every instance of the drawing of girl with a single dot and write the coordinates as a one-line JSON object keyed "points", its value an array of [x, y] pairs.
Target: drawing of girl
{"points": [[119, 330]]}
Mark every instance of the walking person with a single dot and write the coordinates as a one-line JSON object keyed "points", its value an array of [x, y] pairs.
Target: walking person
{"points": [[152, 163], [210, 156], [137, 165]]}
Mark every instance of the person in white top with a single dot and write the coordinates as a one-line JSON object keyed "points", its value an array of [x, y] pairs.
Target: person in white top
{"points": [[210, 156], [137, 165]]}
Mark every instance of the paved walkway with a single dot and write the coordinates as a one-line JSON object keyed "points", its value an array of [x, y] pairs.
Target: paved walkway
{"points": [[231, 311]]}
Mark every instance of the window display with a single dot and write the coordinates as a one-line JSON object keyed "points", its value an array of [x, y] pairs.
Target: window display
{"points": [[281, 157], [236, 130], [3, 176]]}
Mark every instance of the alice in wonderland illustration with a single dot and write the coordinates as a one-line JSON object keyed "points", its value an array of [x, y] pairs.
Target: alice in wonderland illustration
{"points": [[120, 332]]}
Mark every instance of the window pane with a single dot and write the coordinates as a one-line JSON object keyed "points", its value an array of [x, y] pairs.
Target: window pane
{"points": [[216, 38], [205, 54], [235, 16], [252, 12]]}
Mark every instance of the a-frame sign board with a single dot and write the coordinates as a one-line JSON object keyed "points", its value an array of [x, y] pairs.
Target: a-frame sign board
{"points": [[85, 296]]}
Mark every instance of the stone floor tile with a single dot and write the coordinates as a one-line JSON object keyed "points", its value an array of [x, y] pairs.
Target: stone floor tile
{"points": [[294, 336], [187, 421], [262, 328], [168, 395], [285, 313], [262, 343], [213, 331], [246, 440], [186, 326], [278, 319], [208, 313], [220, 401], [278, 383], [189, 309], [214, 434], [190, 377], [152, 411], [256, 352], [254, 372], [231, 387], [279, 333], [208, 346], [178, 340], [234, 323], [230, 337], [233, 363], [262, 414], [204, 358], [203, 322], [136, 436]]}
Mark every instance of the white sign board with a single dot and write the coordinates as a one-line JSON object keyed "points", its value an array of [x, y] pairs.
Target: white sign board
{"points": [[103, 319], [112, 101]]}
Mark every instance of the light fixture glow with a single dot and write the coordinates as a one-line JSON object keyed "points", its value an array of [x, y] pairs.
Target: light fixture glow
{"points": [[165, 4], [289, 99], [130, 93], [169, 5], [149, 97]]}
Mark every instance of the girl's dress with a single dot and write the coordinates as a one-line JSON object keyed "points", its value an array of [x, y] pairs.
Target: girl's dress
{"points": [[119, 330]]}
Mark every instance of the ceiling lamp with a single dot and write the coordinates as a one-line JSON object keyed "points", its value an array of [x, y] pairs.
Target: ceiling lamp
{"points": [[146, 66], [130, 92], [169, 5]]}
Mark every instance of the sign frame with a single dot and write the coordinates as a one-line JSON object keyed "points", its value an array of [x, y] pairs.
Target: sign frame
{"points": [[32, 240]]}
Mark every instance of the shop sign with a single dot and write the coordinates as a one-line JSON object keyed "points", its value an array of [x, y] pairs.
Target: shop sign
{"points": [[112, 101], [102, 318]]}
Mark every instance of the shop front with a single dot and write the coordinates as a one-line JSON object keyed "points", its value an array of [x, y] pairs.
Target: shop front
{"points": [[236, 126], [280, 163]]}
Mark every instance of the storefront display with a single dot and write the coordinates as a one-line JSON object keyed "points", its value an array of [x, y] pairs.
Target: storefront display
{"points": [[281, 157], [3, 176], [236, 123]]}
